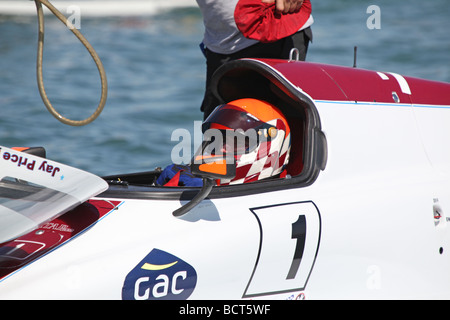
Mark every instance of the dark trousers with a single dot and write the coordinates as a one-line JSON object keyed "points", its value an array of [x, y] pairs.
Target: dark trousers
{"points": [[275, 50]]}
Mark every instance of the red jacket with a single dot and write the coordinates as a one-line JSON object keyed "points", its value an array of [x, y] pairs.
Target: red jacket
{"points": [[260, 21]]}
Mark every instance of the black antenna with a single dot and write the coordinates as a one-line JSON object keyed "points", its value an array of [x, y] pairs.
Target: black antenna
{"points": [[355, 49]]}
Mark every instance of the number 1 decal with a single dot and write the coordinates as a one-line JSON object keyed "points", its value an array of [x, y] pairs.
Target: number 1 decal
{"points": [[299, 233], [289, 242]]}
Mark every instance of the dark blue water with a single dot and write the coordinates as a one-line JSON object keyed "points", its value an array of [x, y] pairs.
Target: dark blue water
{"points": [[156, 74]]}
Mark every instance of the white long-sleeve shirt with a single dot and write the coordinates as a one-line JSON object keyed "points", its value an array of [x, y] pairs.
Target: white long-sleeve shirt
{"points": [[221, 33]]}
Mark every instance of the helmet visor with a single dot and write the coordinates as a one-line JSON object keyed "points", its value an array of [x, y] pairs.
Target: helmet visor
{"points": [[234, 131], [230, 118]]}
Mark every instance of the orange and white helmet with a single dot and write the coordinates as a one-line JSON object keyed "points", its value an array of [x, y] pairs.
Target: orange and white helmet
{"points": [[253, 132]]}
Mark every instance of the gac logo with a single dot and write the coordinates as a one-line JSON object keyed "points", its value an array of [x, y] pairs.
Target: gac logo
{"points": [[160, 276], [161, 288]]}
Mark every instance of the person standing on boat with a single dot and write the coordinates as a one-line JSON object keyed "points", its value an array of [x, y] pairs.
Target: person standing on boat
{"points": [[236, 29]]}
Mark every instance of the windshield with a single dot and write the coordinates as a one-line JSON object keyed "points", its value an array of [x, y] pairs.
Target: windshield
{"points": [[34, 190], [23, 206]]}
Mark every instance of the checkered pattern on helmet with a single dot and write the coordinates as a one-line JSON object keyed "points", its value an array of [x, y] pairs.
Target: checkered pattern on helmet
{"points": [[269, 160]]}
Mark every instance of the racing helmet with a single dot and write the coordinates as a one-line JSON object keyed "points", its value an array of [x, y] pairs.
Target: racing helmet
{"points": [[251, 133]]}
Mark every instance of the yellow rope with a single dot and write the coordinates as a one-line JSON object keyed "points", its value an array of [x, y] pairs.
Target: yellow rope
{"points": [[92, 52]]}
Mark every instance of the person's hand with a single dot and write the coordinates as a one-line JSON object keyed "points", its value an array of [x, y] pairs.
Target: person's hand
{"points": [[286, 6]]}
